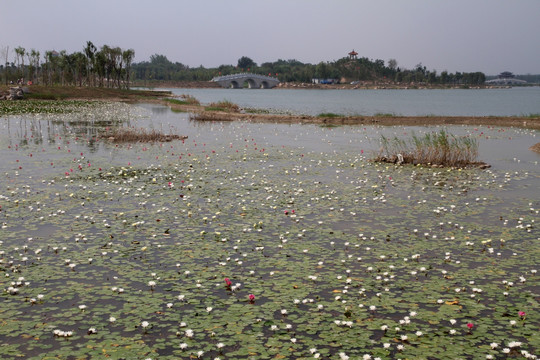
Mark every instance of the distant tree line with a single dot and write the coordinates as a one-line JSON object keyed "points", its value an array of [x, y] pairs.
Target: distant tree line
{"points": [[114, 67], [108, 66], [344, 69]]}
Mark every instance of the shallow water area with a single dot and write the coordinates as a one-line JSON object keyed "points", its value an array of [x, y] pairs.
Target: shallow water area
{"points": [[121, 251]]}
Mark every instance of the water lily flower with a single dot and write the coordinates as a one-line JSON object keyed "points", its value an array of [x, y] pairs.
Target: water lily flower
{"points": [[470, 325], [251, 297]]}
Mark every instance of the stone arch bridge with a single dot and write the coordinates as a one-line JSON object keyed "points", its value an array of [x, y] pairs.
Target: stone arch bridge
{"points": [[254, 81]]}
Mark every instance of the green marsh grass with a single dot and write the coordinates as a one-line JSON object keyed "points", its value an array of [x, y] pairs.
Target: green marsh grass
{"points": [[184, 100], [224, 105], [434, 148], [330, 115], [133, 135]]}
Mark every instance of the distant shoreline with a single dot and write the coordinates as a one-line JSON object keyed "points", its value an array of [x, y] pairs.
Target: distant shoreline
{"points": [[362, 85]]}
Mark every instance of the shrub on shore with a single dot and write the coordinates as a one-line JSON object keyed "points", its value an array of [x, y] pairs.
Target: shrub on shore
{"points": [[435, 149]]}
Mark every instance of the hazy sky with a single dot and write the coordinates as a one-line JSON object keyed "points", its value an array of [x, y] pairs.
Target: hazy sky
{"points": [[454, 35]]}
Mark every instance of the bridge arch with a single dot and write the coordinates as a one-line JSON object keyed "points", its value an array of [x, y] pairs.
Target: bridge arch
{"points": [[251, 83], [250, 80]]}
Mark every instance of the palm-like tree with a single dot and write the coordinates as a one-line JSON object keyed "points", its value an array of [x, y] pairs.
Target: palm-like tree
{"points": [[90, 52], [19, 53], [128, 56]]}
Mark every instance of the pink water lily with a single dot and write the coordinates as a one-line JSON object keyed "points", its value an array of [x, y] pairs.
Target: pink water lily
{"points": [[251, 297], [228, 282]]}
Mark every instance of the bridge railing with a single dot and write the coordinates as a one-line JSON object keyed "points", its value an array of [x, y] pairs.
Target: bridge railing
{"points": [[243, 75]]}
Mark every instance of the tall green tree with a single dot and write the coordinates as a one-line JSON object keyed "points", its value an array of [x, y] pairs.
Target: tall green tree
{"points": [[4, 52], [127, 57], [90, 53], [246, 63], [19, 53]]}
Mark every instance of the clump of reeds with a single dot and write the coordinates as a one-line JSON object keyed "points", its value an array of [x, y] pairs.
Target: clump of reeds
{"points": [[132, 135], [225, 106], [435, 149]]}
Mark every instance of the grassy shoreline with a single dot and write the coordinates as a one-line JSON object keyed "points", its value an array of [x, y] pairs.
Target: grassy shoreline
{"points": [[203, 113]]}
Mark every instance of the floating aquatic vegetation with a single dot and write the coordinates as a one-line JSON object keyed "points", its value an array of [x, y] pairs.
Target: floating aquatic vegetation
{"points": [[259, 241]]}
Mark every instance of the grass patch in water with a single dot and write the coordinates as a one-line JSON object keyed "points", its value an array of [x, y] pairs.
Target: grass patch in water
{"points": [[330, 115], [184, 100], [131, 135], [435, 148], [224, 105], [256, 111], [386, 115]]}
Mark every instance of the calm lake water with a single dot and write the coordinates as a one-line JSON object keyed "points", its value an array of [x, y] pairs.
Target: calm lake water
{"points": [[450, 102]]}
